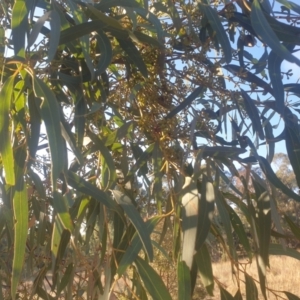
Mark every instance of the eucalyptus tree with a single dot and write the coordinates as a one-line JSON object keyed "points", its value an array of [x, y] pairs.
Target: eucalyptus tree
{"points": [[112, 108]]}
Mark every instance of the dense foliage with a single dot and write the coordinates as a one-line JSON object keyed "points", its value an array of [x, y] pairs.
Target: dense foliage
{"points": [[119, 117]]}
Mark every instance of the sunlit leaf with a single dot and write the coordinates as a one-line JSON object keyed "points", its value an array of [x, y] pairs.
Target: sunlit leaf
{"points": [[6, 150], [184, 281], [190, 202], [20, 208]]}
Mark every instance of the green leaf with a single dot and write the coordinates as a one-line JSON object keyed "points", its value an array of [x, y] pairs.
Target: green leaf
{"points": [[277, 249], [54, 35], [79, 30], [225, 295], [186, 102], [290, 5], [295, 229], [49, 111], [105, 48], [66, 279], [189, 211], [152, 281], [6, 150], [108, 170], [264, 226], [239, 230], [205, 269], [292, 142], [133, 55], [251, 289], [184, 281], [252, 112], [220, 151], [248, 76], [274, 67], [218, 28], [136, 220], [291, 296], [135, 246], [206, 209], [20, 208], [265, 32], [223, 210], [19, 26], [36, 29], [83, 186], [61, 208]]}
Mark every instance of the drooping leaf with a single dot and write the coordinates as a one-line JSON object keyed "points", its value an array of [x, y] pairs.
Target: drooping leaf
{"points": [[266, 33], [277, 249], [133, 55], [291, 296], [205, 268], [136, 220], [225, 295], [54, 34], [206, 208], [19, 27], [184, 281], [6, 150], [294, 228], [218, 28], [186, 102], [20, 208], [190, 201], [105, 58], [248, 76], [152, 280], [135, 247], [251, 289], [85, 187], [50, 114]]}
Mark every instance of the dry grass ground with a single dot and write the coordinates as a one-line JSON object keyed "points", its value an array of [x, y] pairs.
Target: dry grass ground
{"points": [[284, 275]]}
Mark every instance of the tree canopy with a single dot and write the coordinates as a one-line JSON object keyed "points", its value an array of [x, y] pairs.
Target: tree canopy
{"points": [[120, 116]]}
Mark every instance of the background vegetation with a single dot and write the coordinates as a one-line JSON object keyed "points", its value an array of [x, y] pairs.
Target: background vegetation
{"points": [[139, 132]]}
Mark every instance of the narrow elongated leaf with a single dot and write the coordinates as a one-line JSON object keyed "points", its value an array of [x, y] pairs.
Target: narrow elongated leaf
{"points": [[157, 158], [239, 230], [265, 32], [83, 186], [248, 76], [218, 28], [19, 27], [291, 296], [62, 210], [6, 150], [49, 111], [274, 67], [225, 295], [205, 268], [292, 142], [36, 29], [224, 214], [79, 30], [253, 114], [186, 102], [135, 246], [277, 249], [190, 202], [184, 281], [20, 208], [133, 55], [105, 48], [251, 289], [136, 220], [54, 35], [290, 5], [294, 228], [206, 209], [220, 151], [108, 170], [152, 281]]}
